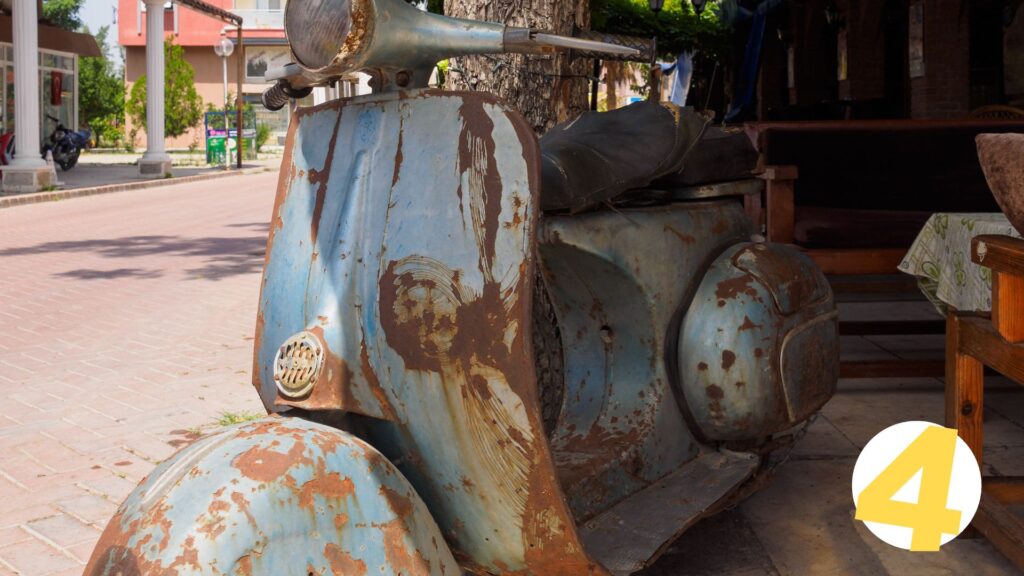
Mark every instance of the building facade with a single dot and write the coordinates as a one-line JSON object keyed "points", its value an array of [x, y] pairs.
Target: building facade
{"points": [[891, 58], [59, 51], [265, 47]]}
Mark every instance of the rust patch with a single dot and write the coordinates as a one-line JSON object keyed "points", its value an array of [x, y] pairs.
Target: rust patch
{"points": [[702, 366], [476, 156], [374, 383], [733, 287], [748, 324], [399, 558], [479, 385], [244, 566], [329, 486], [728, 359], [685, 238], [319, 179], [715, 394], [342, 562], [400, 505], [266, 464], [398, 152], [419, 314]]}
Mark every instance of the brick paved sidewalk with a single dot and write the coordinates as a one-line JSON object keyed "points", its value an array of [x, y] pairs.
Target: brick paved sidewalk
{"points": [[126, 325]]}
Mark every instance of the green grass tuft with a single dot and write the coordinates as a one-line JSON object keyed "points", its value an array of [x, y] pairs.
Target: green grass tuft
{"points": [[232, 418]]}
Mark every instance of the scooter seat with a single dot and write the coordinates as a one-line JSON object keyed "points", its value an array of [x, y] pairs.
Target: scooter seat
{"points": [[598, 156]]}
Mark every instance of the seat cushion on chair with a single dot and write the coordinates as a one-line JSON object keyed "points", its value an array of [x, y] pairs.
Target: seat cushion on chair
{"points": [[846, 228]]}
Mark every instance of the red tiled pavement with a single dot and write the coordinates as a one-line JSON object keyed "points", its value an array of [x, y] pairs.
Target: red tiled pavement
{"points": [[125, 320]]}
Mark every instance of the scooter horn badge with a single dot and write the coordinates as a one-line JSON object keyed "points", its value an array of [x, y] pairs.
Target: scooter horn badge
{"points": [[297, 365]]}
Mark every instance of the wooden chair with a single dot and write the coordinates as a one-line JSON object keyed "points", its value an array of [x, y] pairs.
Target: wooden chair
{"points": [[972, 343], [854, 195]]}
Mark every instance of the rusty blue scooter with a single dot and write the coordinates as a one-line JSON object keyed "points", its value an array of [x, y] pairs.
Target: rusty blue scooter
{"points": [[483, 353]]}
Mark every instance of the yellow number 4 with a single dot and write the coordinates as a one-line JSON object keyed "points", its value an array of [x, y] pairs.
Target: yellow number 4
{"points": [[932, 454]]}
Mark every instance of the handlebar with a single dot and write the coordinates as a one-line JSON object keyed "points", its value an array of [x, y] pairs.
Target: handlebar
{"points": [[395, 36], [646, 49], [275, 97]]}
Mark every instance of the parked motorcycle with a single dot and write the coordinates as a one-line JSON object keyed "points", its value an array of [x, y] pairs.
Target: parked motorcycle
{"points": [[485, 353], [66, 145]]}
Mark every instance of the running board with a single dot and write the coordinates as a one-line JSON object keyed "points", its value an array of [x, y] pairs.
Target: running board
{"points": [[631, 534]]}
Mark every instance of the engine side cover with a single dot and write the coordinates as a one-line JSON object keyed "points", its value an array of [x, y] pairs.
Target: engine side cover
{"points": [[759, 345]]}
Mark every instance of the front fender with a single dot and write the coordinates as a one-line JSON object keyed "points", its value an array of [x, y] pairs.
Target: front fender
{"points": [[277, 496]]}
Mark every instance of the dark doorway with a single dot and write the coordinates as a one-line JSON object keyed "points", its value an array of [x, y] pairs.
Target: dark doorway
{"points": [[986, 58], [897, 80]]}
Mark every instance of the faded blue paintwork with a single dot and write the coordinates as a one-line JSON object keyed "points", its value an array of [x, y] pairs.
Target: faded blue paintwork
{"points": [[278, 496], [759, 343], [438, 251]]}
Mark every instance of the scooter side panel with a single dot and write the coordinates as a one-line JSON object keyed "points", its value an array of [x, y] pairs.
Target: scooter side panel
{"points": [[619, 282], [403, 238]]}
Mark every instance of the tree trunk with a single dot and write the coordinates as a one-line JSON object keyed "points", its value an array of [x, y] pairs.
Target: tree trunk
{"points": [[614, 73], [546, 90]]}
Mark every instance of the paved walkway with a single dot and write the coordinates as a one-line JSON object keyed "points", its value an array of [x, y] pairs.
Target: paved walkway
{"points": [[126, 324]]}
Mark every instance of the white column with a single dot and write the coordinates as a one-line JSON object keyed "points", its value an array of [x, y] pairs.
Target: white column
{"points": [[155, 162], [28, 172], [26, 85]]}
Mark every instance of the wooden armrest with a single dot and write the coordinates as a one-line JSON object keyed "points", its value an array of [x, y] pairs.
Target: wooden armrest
{"points": [[1005, 256], [780, 172], [779, 209], [1000, 253]]}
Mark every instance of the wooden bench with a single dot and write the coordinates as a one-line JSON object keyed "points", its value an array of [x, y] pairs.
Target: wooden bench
{"points": [[854, 195]]}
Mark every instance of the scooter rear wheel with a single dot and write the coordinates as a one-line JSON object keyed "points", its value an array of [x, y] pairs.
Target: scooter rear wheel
{"points": [[547, 357]]}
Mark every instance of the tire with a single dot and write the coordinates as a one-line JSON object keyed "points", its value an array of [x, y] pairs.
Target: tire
{"points": [[72, 160], [547, 357]]}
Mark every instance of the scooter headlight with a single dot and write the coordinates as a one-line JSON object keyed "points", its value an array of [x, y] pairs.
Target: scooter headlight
{"points": [[323, 32]]}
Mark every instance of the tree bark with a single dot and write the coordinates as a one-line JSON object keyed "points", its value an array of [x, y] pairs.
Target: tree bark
{"points": [[545, 89]]}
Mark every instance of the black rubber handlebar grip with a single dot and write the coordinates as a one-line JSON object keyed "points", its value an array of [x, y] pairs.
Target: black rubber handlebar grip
{"points": [[275, 98]]}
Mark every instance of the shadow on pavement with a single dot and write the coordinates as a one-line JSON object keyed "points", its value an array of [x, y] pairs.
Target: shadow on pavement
{"points": [[87, 274], [222, 257]]}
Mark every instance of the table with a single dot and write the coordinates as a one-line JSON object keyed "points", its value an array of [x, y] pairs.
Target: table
{"points": [[974, 341], [940, 259]]}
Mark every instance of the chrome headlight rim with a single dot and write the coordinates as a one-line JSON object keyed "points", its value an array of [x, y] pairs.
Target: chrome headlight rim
{"points": [[323, 34]]}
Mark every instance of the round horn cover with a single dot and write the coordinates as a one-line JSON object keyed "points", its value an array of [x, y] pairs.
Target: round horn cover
{"points": [[318, 30]]}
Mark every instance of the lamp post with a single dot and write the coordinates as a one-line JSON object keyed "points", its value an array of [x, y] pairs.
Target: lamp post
{"points": [[655, 82], [224, 48]]}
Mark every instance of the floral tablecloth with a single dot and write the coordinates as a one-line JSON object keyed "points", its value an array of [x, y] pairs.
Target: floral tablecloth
{"points": [[941, 260]]}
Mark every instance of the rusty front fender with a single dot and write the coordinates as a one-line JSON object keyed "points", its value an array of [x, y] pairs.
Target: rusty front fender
{"points": [[276, 496]]}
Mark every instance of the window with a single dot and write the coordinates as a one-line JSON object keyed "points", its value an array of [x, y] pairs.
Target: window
{"points": [[259, 4]]}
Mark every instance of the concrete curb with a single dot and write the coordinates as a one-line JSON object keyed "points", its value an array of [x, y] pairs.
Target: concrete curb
{"points": [[35, 198]]}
